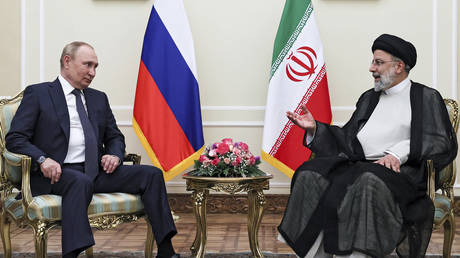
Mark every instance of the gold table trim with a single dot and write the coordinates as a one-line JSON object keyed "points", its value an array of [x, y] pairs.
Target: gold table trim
{"points": [[200, 187]]}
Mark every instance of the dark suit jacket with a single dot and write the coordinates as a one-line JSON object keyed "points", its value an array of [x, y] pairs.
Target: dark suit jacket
{"points": [[41, 126]]}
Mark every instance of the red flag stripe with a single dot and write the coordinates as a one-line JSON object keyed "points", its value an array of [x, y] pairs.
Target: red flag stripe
{"points": [[292, 143], [158, 122], [320, 79]]}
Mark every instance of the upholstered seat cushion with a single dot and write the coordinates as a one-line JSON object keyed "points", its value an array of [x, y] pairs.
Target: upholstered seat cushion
{"points": [[442, 206], [49, 206]]}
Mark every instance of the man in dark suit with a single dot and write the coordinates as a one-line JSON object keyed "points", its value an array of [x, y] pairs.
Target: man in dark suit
{"points": [[70, 132]]}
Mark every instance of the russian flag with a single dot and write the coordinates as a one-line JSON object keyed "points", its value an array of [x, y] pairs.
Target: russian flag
{"points": [[167, 112]]}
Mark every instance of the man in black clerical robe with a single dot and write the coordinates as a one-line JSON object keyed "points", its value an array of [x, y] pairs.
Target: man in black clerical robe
{"points": [[356, 198]]}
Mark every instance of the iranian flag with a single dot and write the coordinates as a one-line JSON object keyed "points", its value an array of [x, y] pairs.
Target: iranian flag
{"points": [[297, 78]]}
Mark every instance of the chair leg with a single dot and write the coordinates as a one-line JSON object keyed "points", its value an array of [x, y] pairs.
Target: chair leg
{"points": [[5, 231], [89, 252], [41, 238], [449, 232], [149, 241]]}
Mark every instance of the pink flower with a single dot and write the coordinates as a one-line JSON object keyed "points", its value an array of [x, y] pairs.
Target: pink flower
{"points": [[222, 148], [243, 146], [227, 141], [215, 161], [236, 151], [227, 161], [212, 153], [203, 158], [252, 160], [237, 161]]}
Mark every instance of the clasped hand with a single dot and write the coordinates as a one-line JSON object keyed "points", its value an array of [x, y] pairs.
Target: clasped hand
{"points": [[390, 162], [52, 170], [110, 163]]}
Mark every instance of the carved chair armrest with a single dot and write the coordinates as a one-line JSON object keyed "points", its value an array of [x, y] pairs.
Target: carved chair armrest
{"points": [[23, 162], [132, 157], [431, 188]]}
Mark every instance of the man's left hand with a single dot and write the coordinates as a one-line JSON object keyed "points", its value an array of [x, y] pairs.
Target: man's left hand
{"points": [[390, 162], [109, 163]]}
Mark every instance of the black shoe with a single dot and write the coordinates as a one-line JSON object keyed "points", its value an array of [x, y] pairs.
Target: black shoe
{"points": [[174, 256]]}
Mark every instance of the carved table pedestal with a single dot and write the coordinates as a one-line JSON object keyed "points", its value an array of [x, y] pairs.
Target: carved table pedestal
{"points": [[253, 186]]}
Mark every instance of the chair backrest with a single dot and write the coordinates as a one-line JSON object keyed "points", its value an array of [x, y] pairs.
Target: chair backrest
{"points": [[8, 109], [447, 175]]}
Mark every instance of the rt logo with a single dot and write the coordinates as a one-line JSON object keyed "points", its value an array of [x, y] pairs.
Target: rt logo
{"points": [[301, 64]]}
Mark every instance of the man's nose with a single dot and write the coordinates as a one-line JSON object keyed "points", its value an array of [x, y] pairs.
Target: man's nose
{"points": [[92, 71], [372, 68]]}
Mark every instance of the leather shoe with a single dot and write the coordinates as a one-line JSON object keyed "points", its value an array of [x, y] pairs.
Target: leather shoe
{"points": [[174, 256]]}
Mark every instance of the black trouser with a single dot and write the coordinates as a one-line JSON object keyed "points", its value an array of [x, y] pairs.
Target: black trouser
{"points": [[77, 189]]}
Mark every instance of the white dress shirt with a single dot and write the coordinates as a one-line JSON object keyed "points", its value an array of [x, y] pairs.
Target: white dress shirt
{"points": [[388, 129], [76, 150]]}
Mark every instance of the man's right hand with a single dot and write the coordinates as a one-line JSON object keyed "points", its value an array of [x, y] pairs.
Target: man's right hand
{"points": [[305, 121], [51, 169]]}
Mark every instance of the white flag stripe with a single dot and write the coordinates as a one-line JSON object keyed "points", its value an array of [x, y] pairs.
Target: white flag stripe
{"points": [[285, 95], [303, 102], [174, 17]]}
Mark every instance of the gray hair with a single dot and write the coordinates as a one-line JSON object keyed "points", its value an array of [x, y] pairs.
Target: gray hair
{"points": [[406, 66], [70, 50]]}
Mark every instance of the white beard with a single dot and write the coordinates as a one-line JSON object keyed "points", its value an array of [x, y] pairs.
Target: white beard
{"points": [[386, 80]]}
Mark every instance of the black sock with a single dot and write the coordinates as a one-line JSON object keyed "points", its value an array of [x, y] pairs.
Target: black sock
{"points": [[165, 248]]}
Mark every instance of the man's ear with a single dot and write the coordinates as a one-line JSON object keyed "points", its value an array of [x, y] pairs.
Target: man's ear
{"points": [[400, 67], [67, 61]]}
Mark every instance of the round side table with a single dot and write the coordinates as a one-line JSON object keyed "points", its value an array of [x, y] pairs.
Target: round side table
{"points": [[253, 186]]}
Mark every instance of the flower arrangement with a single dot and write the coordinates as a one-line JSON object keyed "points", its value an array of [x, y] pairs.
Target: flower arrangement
{"points": [[227, 159]]}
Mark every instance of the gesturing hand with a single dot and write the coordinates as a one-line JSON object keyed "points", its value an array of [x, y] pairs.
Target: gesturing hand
{"points": [[109, 163], [51, 169], [390, 162], [305, 121]]}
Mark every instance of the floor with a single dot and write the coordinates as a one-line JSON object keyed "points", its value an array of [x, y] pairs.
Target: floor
{"points": [[227, 234]]}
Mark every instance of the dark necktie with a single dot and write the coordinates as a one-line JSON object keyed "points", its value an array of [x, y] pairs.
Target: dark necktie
{"points": [[91, 157]]}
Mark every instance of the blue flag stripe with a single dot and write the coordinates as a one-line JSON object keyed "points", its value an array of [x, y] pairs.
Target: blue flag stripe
{"points": [[174, 78]]}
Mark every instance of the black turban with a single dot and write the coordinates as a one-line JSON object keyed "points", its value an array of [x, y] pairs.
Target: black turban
{"points": [[398, 47]]}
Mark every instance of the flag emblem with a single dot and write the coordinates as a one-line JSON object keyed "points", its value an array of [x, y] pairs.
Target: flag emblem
{"points": [[297, 67], [298, 60]]}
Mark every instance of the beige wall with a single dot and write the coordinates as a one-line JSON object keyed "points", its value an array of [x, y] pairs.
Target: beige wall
{"points": [[233, 45], [10, 43]]}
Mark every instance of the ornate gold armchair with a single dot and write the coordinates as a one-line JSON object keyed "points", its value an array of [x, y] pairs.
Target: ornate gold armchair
{"points": [[107, 210], [444, 199]]}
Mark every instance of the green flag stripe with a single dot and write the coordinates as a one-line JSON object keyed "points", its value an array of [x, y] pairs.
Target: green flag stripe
{"points": [[295, 16]]}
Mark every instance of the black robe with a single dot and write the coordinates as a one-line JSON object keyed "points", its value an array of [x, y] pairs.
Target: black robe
{"points": [[340, 160]]}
